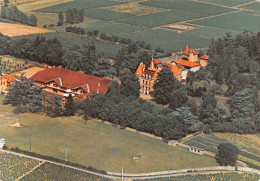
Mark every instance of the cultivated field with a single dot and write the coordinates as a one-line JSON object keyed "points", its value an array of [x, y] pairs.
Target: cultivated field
{"points": [[238, 176], [248, 144], [95, 144], [52, 172], [12, 166], [168, 24], [13, 30]]}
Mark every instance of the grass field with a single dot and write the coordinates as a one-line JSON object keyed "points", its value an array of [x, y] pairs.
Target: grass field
{"points": [[45, 18], [91, 143], [12, 166], [240, 21], [52, 172], [109, 49], [171, 41], [186, 6], [80, 4], [238, 176], [253, 6], [31, 6], [248, 144], [13, 30], [169, 24]]}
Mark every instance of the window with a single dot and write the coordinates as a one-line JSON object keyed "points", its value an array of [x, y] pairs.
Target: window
{"points": [[55, 90]]}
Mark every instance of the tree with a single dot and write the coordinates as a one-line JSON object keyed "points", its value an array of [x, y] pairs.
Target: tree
{"points": [[69, 107], [6, 2], [178, 98], [130, 83], [145, 57], [164, 85], [209, 103], [13, 97], [103, 68], [241, 105], [54, 108], [189, 119], [33, 20], [61, 18], [227, 154]]}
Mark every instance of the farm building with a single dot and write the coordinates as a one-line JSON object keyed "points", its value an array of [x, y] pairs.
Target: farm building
{"points": [[5, 81], [64, 82], [196, 150], [179, 67]]}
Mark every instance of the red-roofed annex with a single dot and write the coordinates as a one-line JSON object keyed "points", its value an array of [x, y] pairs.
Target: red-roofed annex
{"points": [[64, 82]]}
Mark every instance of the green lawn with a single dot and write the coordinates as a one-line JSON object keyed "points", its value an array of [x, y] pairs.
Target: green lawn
{"points": [[91, 143]]}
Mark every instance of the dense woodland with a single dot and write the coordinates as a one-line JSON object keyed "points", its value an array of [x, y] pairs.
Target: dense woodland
{"points": [[122, 105], [14, 14], [234, 62]]}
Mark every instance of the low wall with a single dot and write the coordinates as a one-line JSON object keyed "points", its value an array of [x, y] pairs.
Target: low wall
{"points": [[218, 168]]}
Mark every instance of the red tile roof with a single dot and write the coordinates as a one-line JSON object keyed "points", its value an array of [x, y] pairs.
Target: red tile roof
{"points": [[140, 70], [70, 79], [9, 78], [186, 50], [204, 57], [186, 63]]}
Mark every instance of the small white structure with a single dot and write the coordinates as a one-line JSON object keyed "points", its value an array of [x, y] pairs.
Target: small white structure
{"points": [[196, 150], [2, 143], [173, 143]]}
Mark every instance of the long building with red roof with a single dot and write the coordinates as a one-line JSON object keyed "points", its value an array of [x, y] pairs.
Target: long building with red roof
{"points": [[63, 82]]}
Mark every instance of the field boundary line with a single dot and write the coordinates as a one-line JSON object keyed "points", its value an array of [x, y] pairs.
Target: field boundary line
{"points": [[215, 4], [246, 3], [30, 171], [196, 19]]}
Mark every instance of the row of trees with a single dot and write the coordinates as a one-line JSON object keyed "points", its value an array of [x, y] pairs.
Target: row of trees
{"points": [[50, 51], [122, 106], [74, 15], [81, 31], [14, 14]]}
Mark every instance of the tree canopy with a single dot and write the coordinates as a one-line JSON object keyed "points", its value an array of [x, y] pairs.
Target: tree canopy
{"points": [[164, 85], [227, 154]]}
